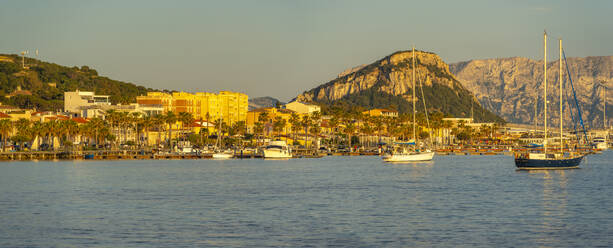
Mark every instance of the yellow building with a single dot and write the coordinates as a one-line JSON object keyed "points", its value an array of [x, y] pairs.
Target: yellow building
{"points": [[381, 112], [231, 106], [156, 99]]}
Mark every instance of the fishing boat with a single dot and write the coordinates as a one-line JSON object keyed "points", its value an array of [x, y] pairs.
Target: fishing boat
{"points": [[277, 149], [551, 159], [400, 152]]}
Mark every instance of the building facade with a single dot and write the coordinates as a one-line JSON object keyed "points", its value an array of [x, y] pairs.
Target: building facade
{"points": [[75, 101], [229, 106], [302, 108]]}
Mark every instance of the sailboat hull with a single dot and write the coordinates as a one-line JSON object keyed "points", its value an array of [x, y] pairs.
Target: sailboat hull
{"points": [[545, 164], [415, 157]]}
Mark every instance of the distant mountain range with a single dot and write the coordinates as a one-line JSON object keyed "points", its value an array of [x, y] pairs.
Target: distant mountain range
{"points": [[263, 102], [42, 84], [509, 87], [387, 83]]}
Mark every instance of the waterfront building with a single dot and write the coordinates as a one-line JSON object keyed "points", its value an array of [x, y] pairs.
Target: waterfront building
{"points": [[381, 112], [74, 101], [302, 108], [229, 106], [156, 100]]}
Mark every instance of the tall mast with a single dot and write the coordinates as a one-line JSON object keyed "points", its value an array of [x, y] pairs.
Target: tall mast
{"points": [[561, 113], [604, 111], [414, 136], [545, 88]]}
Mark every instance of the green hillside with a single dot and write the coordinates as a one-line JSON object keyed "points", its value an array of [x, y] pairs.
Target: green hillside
{"points": [[48, 81]]}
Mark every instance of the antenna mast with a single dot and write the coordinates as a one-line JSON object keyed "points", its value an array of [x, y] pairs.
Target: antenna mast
{"points": [[545, 88]]}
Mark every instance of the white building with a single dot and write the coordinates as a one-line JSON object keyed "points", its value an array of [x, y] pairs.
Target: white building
{"points": [[302, 108], [76, 101]]}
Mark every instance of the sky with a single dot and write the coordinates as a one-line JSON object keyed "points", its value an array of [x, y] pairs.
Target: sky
{"points": [[283, 48]]}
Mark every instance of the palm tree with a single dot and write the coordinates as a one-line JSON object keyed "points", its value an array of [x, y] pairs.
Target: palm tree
{"points": [[186, 119], [350, 129], [6, 127], [146, 123], [306, 124], [135, 121], [170, 118], [158, 122], [24, 131], [278, 125], [294, 120], [333, 124], [264, 117]]}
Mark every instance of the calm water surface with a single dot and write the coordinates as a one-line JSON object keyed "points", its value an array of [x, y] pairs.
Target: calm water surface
{"points": [[454, 201]]}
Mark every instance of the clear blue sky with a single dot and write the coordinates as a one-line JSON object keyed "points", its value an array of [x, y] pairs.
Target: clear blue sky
{"points": [[282, 48]]}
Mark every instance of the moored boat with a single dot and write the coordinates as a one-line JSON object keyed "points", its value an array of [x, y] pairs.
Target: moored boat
{"points": [[405, 155], [223, 154], [542, 161], [555, 159], [277, 149]]}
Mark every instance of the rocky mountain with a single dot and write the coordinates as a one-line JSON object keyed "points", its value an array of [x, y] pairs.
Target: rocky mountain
{"points": [[387, 83], [263, 102], [509, 87]]}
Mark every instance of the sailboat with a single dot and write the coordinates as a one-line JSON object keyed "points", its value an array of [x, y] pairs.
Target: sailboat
{"points": [[549, 160], [401, 153], [219, 153]]}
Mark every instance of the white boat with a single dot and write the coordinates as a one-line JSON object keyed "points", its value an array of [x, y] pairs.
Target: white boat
{"points": [[277, 149], [223, 154], [601, 143], [401, 154], [219, 153]]}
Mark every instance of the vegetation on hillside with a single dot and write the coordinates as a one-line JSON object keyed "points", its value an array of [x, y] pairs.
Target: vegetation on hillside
{"points": [[48, 81]]}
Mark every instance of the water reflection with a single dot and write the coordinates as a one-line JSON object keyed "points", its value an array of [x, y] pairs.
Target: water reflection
{"points": [[554, 204]]}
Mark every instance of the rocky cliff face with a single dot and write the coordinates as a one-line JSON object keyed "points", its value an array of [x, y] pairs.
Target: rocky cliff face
{"points": [[509, 87], [389, 80]]}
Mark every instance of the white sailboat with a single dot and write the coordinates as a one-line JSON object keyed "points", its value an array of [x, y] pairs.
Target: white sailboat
{"points": [[219, 153], [401, 153]]}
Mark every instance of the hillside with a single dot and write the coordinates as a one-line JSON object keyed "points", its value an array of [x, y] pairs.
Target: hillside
{"points": [[387, 83], [47, 81], [263, 102], [509, 86]]}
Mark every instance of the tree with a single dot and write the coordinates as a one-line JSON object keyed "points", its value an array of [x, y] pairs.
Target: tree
{"points": [[5, 129], [279, 124], [294, 120], [146, 123], [264, 117], [170, 118], [185, 119], [306, 123], [158, 121], [349, 130]]}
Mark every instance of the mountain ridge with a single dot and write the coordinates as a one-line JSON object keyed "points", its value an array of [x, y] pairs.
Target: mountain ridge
{"points": [[510, 86], [388, 82]]}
